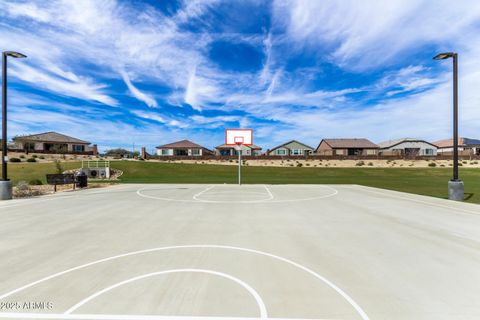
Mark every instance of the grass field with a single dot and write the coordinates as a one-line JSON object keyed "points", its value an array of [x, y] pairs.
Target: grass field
{"points": [[425, 181]]}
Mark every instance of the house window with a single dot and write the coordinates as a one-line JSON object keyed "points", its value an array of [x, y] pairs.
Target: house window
{"points": [[297, 152], [165, 152], [181, 152], [78, 148], [281, 152], [195, 152], [429, 152], [225, 152], [29, 146]]}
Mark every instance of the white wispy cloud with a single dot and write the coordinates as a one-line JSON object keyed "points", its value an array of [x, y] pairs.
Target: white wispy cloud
{"points": [[78, 87], [364, 34], [82, 48], [149, 101]]}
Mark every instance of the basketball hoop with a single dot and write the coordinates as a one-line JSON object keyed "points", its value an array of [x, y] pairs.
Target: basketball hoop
{"points": [[239, 138]]}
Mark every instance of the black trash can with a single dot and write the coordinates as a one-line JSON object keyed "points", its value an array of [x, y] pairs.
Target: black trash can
{"points": [[82, 180]]}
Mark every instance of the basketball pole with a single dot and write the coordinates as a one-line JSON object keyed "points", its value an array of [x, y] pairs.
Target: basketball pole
{"points": [[239, 164]]}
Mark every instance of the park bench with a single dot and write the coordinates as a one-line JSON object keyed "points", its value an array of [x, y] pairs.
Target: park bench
{"points": [[61, 179]]}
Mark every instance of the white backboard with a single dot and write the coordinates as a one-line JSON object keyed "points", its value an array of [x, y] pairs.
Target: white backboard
{"points": [[239, 137]]}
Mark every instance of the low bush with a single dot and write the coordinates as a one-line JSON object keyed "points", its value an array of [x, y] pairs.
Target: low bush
{"points": [[15, 160], [360, 163], [31, 160], [34, 156], [370, 164], [41, 157], [35, 182], [299, 165], [22, 156], [432, 164]]}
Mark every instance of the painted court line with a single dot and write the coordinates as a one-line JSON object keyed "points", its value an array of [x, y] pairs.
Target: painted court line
{"points": [[195, 196], [88, 316], [386, 193], [270, 198], [256, 296], [339, 291]]}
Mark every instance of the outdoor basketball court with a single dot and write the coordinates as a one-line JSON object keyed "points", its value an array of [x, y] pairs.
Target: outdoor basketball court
{"points": [[240, 252]]}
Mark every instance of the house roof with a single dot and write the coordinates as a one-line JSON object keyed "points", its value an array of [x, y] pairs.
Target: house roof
{"points": [[391, 143], [360, 143], [181, 144], [51, 136], [446, 143], [226, 146], [286, 143]]}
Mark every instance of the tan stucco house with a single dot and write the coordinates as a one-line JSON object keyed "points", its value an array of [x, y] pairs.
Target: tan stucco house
{"points": [[52, 142], [227, 150], [291, 148], [346, 147], [183, 148]]}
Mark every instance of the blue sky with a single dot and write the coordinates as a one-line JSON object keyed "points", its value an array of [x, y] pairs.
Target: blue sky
{"points": [[119, 73]]}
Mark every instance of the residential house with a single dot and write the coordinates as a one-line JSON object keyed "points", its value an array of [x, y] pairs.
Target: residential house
{"points": [[53, 142], [184, 148], [407, 147], [466, 146], [227, 150], [291, 148], [346, 147]]}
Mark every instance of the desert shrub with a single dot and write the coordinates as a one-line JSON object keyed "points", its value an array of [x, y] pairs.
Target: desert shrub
{"points": [[15, 160], [370, 164], [34, 156], [442, 165], [22, 156], [299, 165], [22, 190], [432, 164], [22, 185], [460, 164], [31, 160], [464, 162], [58, 166], [35, 182], [41, 157], [307, 164], [360, 163]]}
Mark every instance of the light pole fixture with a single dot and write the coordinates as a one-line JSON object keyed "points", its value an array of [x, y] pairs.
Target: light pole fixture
{"points": [[455, 186], [5, 184]]}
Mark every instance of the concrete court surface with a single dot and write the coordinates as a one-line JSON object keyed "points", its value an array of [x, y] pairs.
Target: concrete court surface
{"points": [[225, 251]]}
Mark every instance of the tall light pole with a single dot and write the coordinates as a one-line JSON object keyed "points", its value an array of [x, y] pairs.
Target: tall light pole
{"points": [[455, 186], [5, 184]]}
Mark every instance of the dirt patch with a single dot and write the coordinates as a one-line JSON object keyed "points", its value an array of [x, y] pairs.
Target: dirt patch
{"points": [[314, 163]]}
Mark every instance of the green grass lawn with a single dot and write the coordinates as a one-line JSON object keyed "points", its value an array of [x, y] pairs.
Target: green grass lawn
{"points": [[425, 181]]}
